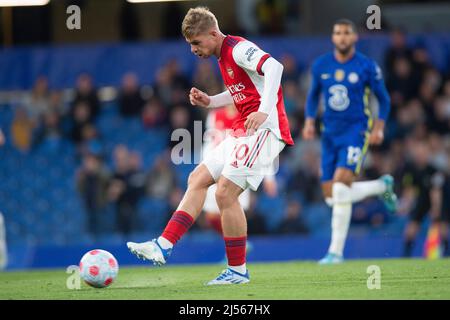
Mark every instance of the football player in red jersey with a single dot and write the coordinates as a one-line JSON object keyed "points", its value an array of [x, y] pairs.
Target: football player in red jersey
{"points": [[241, 160]]}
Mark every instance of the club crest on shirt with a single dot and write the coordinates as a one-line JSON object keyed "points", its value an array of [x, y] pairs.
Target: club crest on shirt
{"points": [[230, 72], [339, 75], [353, 77]]}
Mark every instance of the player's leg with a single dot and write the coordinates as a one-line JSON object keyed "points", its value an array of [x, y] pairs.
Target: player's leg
{"points": [[158, 250], [212, 211], [246, 167], [234, 223], [329, 162], [341, 213], [345, 157], [234, 227], [383, 187], [360, 190]]}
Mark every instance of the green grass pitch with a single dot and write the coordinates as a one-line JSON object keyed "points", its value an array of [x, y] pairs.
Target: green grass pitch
{"points": [[400, 279]]}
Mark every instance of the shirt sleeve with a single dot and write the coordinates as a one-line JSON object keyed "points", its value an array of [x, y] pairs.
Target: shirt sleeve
{"points": [[249, 56], [221, 100], [312, 100], [272, 81], [379, 89]]}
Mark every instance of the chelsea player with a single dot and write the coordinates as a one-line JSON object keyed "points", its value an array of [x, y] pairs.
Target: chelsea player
{"points": [[346, 77]]}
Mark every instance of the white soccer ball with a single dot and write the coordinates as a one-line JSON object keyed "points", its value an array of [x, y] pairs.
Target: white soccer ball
{"points": [[98, 268]]}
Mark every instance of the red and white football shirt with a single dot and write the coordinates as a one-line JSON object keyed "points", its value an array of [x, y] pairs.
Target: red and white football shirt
{"points": [[240, 64]]}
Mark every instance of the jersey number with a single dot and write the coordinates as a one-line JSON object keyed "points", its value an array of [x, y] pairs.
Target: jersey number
{"points": [[240, 152], [353, 155]]}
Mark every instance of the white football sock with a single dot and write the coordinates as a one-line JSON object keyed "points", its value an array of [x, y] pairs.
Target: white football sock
{"points": [[242, 269], [363, 189], [164, 243], [340, 221]]}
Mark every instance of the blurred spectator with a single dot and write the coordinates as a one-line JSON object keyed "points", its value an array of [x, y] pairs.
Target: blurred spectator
{"points": [[439, 120], [86, 94], [171, 84], [37, 103], [22, 130], [161, 178], [293, 221], [92, 181], [428, 91], [291, 71], [90, 141], [50, 130], [56, 103], [424, 183], [130, 99], [181, 117], [154, 114], [399, 49], [420, 60], [81, 118], [205, 78], [291, 97], [127, 188], [304, 181], [256, 224], [401, 82], [270, 15]]}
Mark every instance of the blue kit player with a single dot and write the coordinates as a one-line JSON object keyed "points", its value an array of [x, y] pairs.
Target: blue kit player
{"points": [[345, 78]]}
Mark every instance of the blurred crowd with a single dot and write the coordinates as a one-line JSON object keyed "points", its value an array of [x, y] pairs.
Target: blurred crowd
{"points": [[417, 141]]}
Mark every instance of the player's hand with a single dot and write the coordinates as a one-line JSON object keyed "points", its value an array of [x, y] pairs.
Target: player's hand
{"points": [[254, 121], [199, 98], [309, 130], [377, 135], [2, 138]]}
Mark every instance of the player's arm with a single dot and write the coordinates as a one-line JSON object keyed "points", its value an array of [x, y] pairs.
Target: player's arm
{"points": [[312, 104], [250, 57], [272, 71], [379, 89], [2, 138], [200, 98]]}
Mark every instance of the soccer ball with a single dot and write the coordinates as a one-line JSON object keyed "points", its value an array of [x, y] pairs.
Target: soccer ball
{"points": [[98, 268]]}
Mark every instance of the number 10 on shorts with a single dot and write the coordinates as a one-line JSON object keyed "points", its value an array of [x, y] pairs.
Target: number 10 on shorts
{"points": [[240, 152]]}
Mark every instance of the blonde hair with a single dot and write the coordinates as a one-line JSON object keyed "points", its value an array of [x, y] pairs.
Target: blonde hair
{"points": [[198, 20]]}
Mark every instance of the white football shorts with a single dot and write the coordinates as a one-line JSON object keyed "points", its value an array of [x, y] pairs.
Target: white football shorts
{"points": [[245, 160]]}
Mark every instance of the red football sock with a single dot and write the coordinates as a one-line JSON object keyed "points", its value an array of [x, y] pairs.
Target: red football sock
{"points": [[235, 248], [178, 225]]}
